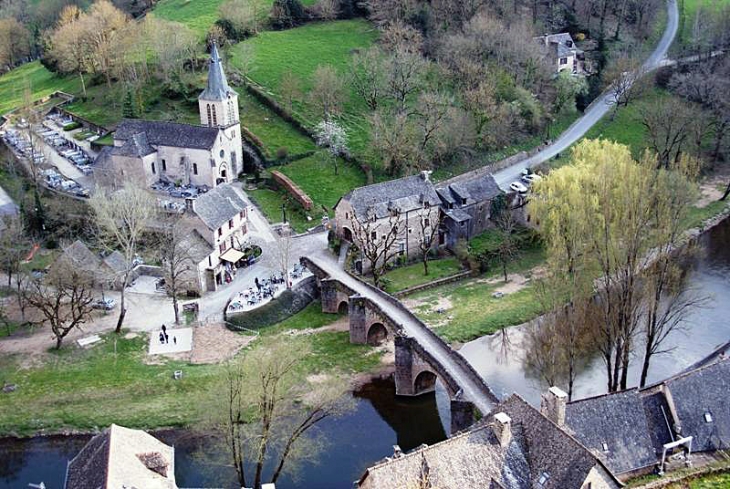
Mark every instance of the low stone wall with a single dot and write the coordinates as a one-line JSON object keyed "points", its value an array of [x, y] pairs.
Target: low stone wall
{"points": [[436, 283], [293, 189], [682, 478]]}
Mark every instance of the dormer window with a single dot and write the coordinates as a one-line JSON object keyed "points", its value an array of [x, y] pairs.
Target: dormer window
{"points": [[604, 445], [708, 417], [544, 477], [463, 201]]}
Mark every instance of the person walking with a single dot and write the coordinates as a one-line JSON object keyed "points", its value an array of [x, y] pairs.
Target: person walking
{"points": [[167, 338], [258, 285], [162, 338], [164, 328], [174, 340]]}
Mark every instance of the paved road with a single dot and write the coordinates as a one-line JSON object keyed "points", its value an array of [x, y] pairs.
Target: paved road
{"points": [[472, 391], [596, 111]]}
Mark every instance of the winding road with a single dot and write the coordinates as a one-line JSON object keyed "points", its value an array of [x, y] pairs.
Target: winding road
{"points": [[596, 110]]}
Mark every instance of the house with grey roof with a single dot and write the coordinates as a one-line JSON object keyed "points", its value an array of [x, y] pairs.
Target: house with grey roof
{"points": [[632, 430], [514, 447], [207, 154], [219, 224], [410, 205], [562, 53], [466, 204]]}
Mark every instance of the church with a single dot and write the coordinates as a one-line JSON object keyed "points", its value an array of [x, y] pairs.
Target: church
{"points": [[186, 154]]}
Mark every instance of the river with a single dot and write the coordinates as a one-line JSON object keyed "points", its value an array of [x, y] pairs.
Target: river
{"points": [[379, 420]]}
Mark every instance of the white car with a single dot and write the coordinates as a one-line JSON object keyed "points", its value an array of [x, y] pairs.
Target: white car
{"points": [[518, 187], [531, 178]]}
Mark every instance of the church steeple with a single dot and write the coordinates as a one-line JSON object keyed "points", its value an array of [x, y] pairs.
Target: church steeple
{"points": [[219, 102]]}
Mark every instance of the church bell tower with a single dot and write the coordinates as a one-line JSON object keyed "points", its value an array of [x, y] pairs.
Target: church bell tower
{"points": [[218, 104]]}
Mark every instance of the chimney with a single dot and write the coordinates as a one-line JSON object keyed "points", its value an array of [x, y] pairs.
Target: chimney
{"points": [[190, 205], [503, 429], [552, 405], [397, 452]]}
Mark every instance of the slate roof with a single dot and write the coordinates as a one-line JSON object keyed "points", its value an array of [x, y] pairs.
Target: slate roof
{"points": [[220, 204], [116, 262], [404, 194], [136, 147], [618, 421], [458, 215], [476, 459], [196, 246], [563, 42], [159, 133], [120, 457], [217, 88], [78, 256], [705, 390], [479, 188]]}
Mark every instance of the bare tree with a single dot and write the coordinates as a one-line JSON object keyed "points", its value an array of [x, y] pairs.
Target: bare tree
{"points": [[668, 124], [282, 253], [502, 213], [404, 71], [64, 297], [290, 88], [428, 227], [121, 217], [269, 410], [377, 238], [175, 249], [367, 77], [328, 91], [327, 9], [623, 80]]}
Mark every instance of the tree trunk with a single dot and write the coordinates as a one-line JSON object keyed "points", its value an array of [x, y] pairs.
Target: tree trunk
{"points": [[645, 365], [727, 192], [625, 365], [425, 261], [59, 340], [176, 307], [83, 84], [504, 269]]}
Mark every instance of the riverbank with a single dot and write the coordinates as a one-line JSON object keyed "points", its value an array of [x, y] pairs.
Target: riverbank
{"points": [[77, 390]]}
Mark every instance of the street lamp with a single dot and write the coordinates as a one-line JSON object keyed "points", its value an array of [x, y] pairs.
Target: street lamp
{"points": [[283, 212]]}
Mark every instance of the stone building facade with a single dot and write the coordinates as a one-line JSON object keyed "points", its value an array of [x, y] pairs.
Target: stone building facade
{"points": [[208, 154]]}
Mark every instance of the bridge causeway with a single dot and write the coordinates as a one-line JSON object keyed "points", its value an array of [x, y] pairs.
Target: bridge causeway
{"points": [[420, 355]]}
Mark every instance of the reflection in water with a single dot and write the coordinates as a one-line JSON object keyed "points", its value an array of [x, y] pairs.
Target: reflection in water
{"points": [[353, 442], [704, 331]]}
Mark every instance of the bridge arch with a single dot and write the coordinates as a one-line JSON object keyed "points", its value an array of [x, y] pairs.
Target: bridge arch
{"points": [[425, 382], [377, 334], [343, 308]]}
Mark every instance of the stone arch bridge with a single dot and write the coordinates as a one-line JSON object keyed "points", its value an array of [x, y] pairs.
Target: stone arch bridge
{"points": [[420, 355]]}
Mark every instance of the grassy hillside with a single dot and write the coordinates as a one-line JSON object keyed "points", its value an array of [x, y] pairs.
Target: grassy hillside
{"points": [[688, 13], [41, 81], [301, 50], [200, 15]]}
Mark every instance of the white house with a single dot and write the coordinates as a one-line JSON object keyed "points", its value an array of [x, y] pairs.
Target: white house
{"points": [[219, 224], [562, 52], [207, 154]]}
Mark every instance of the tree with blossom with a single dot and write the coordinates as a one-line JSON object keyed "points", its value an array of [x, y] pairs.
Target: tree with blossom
{"points": [[332, 136]]}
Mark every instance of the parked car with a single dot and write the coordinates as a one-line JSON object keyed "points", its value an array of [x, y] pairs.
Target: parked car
{"points": [[518, 187], [531, 178], [105, 304]]}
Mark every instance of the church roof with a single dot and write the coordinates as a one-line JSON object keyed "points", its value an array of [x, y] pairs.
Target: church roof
{"points": [[136, 146], [159, 133], [217, 88]]}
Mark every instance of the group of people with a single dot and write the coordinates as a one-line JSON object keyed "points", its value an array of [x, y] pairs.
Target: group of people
{"points": [[165, 338]]}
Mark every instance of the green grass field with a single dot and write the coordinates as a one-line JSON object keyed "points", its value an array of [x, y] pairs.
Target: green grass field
{"points": [[688, 14], [316, 176], [85, 389], [301, 50], [41, 82], [409, 276]]}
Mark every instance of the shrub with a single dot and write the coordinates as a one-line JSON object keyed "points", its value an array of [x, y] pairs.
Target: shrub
{"points": [[72, 126], [287, 13], [282, 153]]}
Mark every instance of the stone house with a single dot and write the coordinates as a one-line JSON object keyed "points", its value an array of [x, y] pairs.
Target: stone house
{"points": [[514, 447], [411, 204], [562, 53], [121, 457], [630, 430], [219, 225], [466, 203], [208, 154]]}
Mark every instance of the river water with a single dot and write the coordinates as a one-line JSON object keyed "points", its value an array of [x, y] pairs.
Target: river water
{"points": [[380, 420]]}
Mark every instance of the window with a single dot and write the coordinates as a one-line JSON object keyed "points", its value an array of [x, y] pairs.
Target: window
{"points": [[153, 168], [215, 118], [426, 223], [230, 224], [222, 153], [222, 247], [208, 111], [210, 262], [401, 249], [242, 214], [563, 61], [461, 223], [604, 446], [544, 477], [220, 232], [374, 235], [347, 215], [164, 165], [463, 201], [708, 417], [410, 230], [195, 168], [232, 245]]}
